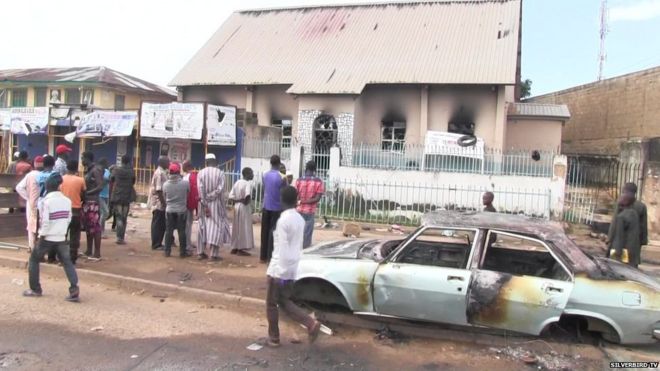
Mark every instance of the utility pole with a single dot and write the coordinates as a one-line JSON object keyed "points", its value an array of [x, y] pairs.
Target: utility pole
{"points": [[603, 32]]}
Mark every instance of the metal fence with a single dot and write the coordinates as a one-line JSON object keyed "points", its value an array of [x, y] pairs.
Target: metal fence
{"points": [[418, 157], [593, 185], [259, 148], [406, 202]]}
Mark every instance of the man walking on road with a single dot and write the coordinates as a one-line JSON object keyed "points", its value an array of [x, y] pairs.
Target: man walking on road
{"points": [[55, 216], [175, 191], [213, 224], [123, 193], [73, 187], [273, 182], [192, 204], [281, 273], [310, 190], [157, 203]]}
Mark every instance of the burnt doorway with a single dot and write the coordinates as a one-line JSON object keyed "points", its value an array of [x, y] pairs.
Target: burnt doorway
{"points": [[325, 137]]}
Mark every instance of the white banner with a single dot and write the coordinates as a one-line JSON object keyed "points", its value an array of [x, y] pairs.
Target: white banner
{"points": [[172, 120], [443, 143], [221, 125], [107, 124], [29, 120], [5, 119]]}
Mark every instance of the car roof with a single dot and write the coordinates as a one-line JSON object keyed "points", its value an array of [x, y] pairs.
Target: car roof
{"points": [[541, 228]]}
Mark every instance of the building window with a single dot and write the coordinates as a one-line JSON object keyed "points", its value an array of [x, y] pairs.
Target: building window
{"points": [[285, 125], [40, 95], [120, 102], [72, 96], [19, 97], [3, 98], [88, 96], [393, 135], [462, 122]]}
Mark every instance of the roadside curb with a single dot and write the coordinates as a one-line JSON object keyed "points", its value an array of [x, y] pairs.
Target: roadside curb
{"points": [[157, 289]]}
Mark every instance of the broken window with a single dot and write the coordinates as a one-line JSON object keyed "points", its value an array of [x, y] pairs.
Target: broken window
{"points": [[439, 247], [286, 126], [521, 256], [393, 134], [462, 122]]}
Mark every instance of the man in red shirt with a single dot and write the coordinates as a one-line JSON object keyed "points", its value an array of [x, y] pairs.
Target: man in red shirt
{"points": [[193, 201], [310, 190]]}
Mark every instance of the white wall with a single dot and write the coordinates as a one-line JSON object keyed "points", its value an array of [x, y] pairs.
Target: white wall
{"points": [[260, 165]]}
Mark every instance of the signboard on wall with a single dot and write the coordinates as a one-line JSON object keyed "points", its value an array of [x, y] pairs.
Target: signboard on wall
{"points": [[107, 123], [221, 125], [5, 119], [177, 150], [29, 120], [443, 143], [172, 120]]}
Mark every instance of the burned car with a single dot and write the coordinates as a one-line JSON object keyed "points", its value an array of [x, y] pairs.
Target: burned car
{"points": [[485, 270]]}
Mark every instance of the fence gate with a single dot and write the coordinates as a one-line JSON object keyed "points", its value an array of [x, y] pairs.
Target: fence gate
{"points": [[325, 137], [593, 185]]}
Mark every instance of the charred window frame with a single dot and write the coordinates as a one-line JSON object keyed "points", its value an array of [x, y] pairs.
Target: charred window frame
{"points": [[408, 244], [287, 131], [462, 122], [393, 135], [491, 238]]}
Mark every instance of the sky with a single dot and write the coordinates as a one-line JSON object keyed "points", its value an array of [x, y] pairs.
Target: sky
{"points": [[153, 39]]}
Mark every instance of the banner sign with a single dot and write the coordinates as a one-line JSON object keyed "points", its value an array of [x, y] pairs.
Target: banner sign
{"points": [[221, 125], [107, 124], [29, 120], [172, 120], [5, 119], [443, 143]]}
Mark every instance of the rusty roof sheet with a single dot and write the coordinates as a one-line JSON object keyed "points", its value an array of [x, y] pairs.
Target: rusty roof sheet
{"points": [[340, 49], [558, 111], [99, 75]]}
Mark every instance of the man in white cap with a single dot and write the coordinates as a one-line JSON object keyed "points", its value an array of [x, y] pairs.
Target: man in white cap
{"points": [[213, 223]]}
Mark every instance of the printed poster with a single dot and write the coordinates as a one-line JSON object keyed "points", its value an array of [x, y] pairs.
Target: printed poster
{"points": [[172, 120], [5, 119], [221, 125], [29, 120], [443, 143], [177, 150], [107, 124]]}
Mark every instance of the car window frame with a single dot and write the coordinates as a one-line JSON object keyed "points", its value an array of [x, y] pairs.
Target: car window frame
{"points": [[532, 239], [395, 255]]}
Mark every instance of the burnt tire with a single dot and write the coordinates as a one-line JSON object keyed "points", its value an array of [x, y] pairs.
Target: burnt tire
{"points": [[467, 141], [320, 294]]}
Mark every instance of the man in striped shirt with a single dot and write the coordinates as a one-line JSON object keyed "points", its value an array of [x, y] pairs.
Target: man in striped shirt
{"points": [[213, 223], [54, 219], [310, 190]]}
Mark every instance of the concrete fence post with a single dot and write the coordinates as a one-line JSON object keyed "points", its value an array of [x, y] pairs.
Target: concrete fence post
{"points": [[297, 158], [558, 186], [335, 162]]}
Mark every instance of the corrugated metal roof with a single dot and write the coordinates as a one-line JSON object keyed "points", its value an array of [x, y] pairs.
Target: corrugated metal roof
{"points": [[539, 110], [101, 75], [340, 49]]}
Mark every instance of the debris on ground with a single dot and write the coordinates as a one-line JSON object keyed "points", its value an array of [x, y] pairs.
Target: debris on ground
{"points": [[17, 281], [327, 224], [396, 229], [254, 346], [386, 336], [185, 277], [351, 229], [134, 356], [97, 329], [141, 292], [550, 360]]}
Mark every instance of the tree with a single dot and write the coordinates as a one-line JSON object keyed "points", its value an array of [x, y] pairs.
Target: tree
{"points": [[525, 88]]}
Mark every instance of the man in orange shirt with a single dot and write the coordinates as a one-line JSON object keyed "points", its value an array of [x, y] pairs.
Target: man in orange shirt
{"points": [[73, 187]]}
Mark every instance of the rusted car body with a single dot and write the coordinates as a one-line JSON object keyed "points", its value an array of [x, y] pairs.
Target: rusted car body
{"points": [[484, 269]]}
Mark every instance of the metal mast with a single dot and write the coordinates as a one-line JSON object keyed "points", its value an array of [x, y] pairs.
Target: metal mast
{"points": [[603, 32]]}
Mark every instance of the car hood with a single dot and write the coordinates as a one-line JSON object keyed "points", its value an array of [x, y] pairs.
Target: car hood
{"points": [[615, 270], [337, 249]]}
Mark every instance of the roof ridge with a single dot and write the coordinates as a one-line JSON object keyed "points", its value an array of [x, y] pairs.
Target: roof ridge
{"points": [[365, 5]]}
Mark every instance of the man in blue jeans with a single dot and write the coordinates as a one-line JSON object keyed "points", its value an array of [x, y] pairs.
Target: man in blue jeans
{"points": [[54, 219], [310, 190], [273, 182]]}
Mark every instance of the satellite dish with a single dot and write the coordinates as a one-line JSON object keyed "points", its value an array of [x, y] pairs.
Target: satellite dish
{"points": [[70, 137]]}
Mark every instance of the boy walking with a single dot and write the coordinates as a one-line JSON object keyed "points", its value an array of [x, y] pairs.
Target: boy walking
{"points": [[282, 269], [54, 219]]}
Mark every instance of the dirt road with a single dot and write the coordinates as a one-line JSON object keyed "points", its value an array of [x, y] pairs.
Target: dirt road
{"points": [[115, 330]]}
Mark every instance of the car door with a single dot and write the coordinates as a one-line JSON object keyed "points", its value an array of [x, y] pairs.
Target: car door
{"points": [[519, 285], [427, 278]]}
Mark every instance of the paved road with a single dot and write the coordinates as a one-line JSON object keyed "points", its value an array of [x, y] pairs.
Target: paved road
{"points": [[140, 332]]}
